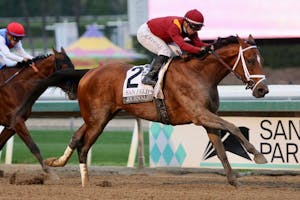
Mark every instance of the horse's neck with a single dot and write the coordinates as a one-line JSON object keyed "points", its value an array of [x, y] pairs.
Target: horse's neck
{"points": [[211, 69], [7, 72], [42, 69], [45, 67], [220, 70]]}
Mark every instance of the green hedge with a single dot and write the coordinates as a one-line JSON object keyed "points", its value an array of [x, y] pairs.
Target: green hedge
{"points": [[281, 55], [110, 149]]}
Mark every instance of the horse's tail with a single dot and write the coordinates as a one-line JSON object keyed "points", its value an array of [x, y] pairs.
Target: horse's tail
{"points": [[56, 79]]}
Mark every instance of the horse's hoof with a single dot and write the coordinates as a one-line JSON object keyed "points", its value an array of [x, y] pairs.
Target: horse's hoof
{"points": [[232, 179], [260, 159], [51, 162], [85, 184], [235, 183]]}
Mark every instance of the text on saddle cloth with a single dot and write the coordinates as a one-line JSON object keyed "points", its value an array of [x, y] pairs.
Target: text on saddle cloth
{"points": [[134, 91]]}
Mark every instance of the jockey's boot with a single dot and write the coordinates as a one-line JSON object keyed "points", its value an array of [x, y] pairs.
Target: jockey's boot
{"points": [[151, 77]]}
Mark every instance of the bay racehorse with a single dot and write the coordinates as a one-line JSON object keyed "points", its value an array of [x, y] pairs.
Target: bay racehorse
{"points": [[191, 96], [16, 82]]}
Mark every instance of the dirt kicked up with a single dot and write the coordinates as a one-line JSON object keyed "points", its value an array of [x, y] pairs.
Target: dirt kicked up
{"points": [[28, 182]]}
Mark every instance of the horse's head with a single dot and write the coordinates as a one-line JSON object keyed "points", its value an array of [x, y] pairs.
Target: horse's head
{"points": [[63, 62], [249, 67], [245, 61]]}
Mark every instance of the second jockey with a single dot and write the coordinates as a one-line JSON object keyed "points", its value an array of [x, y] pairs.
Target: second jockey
{"points": [[11, 50]]}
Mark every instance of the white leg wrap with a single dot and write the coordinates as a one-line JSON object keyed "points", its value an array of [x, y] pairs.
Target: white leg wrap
{"points": [[84, 174], [61, 161], [67, 154]]}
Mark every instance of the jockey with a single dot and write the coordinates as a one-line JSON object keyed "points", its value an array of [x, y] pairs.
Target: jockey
{"points": [[10, 39], [165, 37]]}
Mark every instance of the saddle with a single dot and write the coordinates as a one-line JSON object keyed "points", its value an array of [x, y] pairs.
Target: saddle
{"points": [[134, 91]]}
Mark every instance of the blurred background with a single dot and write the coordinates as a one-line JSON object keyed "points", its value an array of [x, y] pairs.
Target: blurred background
{"points": [[94, 32], [274, 24]]}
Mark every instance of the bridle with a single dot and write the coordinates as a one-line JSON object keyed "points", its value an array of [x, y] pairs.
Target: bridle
{"points": [[34, 68], [250, 84], [32, 65], [41, 75]]}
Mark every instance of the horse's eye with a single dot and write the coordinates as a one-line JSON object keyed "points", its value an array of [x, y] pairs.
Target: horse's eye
{"points": [[251, 61]]}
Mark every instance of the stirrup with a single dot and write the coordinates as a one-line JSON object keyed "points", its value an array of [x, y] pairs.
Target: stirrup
{"points": [[148, 81]]}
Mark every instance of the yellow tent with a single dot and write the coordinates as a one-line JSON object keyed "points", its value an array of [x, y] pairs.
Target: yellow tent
{"points": [[93, 49]]}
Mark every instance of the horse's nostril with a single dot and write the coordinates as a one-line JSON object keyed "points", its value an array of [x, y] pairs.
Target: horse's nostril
{"points": [[263, 91], [267, 91]]}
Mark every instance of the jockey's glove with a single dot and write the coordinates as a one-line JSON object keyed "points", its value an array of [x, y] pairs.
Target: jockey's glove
{"points": [[207, 49], [204, 51]]}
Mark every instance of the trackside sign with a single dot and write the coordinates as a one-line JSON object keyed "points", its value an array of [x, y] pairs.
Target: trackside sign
{"points": [[188, 145]]}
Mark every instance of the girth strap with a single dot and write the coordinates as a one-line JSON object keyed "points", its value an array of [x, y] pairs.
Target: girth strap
{"points": [[161, 110]]}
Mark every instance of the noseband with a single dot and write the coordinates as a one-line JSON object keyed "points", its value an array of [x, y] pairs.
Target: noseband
{"points": [[250, 84]]}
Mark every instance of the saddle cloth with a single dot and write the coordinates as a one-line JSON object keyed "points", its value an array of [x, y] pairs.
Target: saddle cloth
{"points": [[134, 91]]}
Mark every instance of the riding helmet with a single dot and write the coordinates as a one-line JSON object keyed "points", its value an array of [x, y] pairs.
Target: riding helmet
{"points": [[16, 29], [195, 17]]}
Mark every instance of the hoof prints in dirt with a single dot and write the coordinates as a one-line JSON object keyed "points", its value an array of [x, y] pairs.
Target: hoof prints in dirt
{"points": [[105, 184], [38, 180]]}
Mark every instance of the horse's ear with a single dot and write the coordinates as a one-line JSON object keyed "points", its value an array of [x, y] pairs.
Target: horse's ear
{"points": [[251, 39], [241, 41], [62, 50], [54, 50]]}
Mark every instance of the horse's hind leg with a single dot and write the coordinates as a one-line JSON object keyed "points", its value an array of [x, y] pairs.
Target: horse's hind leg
{"points": [[88, 141], [83, 139], [62, 160], [215, 139], [5, 135], [93, 130], [211, 120]]}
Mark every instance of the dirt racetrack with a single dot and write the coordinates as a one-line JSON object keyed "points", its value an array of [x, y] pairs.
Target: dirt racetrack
{"points": [[25, 182]]}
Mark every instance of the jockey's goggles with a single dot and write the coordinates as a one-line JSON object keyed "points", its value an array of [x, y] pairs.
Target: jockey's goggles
{"points": [[15, 38], [195, 27]]}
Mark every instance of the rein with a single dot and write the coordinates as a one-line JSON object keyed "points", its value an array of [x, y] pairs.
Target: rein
{"points": [[13, 76], [32, 65], [250, 82], [225, 64], [36, 70]]}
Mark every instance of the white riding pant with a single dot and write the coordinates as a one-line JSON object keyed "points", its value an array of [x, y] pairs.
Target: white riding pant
{"points": [[6, 61], [155, 44]]}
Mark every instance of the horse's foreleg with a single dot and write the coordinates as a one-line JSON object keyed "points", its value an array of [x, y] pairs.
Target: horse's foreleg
{"points": [[5, 135], [23, 133], [92, 133], [62, 160], [211, 120], [215, 139]]}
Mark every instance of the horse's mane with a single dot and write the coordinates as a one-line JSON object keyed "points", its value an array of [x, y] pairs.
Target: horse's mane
{"points": [[218, 43], [221, 42], [35, 59], [41, 57]]}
